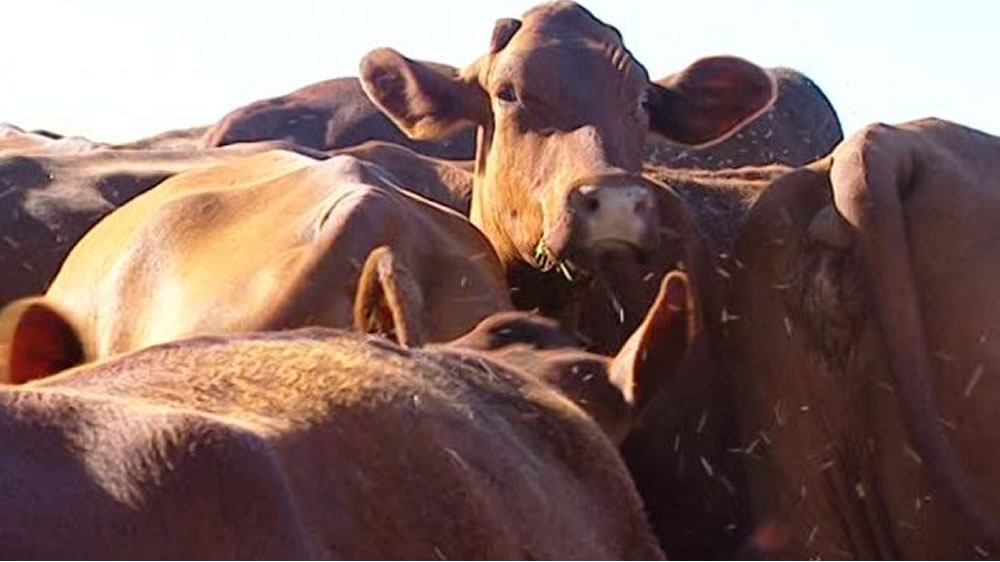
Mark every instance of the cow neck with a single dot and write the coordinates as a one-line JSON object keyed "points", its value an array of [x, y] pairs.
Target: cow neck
{"points": [[483, 215]]}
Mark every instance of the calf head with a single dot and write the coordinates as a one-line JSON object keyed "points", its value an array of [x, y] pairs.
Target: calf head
{"points": [[611, 390], [563, 112]]}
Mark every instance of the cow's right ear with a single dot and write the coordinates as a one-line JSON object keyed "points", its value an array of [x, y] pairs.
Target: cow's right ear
{"points": [[389, 301], [425, 100], [36, 341], [709, 100], [656, 349]]}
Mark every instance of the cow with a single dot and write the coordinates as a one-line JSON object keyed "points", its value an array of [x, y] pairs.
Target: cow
{"points": [[190, 138], [53, 191], [277, 240], [15, 139], [557, 186], [800, 127], [448, 182], [323, 443], [326, 116], [848, 411]]}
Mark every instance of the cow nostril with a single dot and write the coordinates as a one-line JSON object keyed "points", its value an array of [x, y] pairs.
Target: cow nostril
{"points": [[591, 204]]}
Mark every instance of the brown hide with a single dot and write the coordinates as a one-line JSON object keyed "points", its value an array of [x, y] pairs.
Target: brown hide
{"points": [[57, 189], [342, 446], [328, 115], [816, 438], [448, 182], [678, 454], [862, 352], [90, 476], [13, 139], [178, 139], [798, 128], [272, 241], [52, 193]]}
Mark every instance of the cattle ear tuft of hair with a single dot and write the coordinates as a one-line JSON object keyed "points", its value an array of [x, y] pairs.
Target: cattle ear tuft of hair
{"points": [[503, 32], [657, 348], [709, 100], [389, 301], [36, 341]]}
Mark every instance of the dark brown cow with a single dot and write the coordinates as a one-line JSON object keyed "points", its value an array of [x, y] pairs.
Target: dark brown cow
{"points": [[272, 241], [342, 446], [798, 128], [854, 416], [326, 116], [557, 167]]}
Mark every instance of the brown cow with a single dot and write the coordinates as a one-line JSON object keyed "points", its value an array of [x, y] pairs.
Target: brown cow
{"points": [[14, 139], [798, 128], [177, 139], [51, 193], [854, 417], [342, 446], [557, 168], [272, 241], [326, 116], [448, 182]]}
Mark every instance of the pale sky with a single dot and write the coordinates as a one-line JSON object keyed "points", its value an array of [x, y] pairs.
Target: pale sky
{"points": [[116, 70]]}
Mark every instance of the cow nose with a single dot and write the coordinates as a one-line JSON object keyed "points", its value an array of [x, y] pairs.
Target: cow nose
{"points": [[613, 213]]}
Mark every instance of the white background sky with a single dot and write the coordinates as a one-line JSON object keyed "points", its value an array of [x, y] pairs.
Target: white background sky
{"points": [[115, 70]]}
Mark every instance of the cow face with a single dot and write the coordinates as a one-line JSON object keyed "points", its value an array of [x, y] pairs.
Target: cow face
{"points": [[563, 111]]}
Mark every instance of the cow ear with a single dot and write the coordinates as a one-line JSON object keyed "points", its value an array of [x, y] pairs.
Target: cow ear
{"points": [[36, 341], [709, 100], [425, 100], [389, 301], [503, 32], [658, 346]]}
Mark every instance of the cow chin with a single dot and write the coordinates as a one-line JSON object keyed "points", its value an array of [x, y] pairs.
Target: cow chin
{"points": [[609, 256], [601, 251], [593, 257]]}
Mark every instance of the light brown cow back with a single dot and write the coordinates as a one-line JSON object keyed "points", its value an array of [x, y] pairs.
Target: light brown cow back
{"points": [[273, 241]]}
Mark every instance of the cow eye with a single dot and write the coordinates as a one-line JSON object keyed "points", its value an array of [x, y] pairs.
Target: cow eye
{"points": [[645, 100], [507, 93]]}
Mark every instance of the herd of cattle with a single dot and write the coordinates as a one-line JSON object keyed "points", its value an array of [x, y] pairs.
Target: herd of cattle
{"points": [[483, 313]]}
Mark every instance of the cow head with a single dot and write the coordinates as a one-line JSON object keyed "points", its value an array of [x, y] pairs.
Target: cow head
{"points": [[563, 112], [613, 391]]}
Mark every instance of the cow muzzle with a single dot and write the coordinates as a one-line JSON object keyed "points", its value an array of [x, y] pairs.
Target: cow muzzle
{"points": [[616, 214]]}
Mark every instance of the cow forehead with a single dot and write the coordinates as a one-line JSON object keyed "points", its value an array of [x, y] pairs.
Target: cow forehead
{"points": [[545, 56], [556, 19]]}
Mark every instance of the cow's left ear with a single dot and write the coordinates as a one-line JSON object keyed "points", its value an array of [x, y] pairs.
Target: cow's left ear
{"points": [[658, 346], [389, 301], [425, 100], [709, 100], [36, 340]]}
